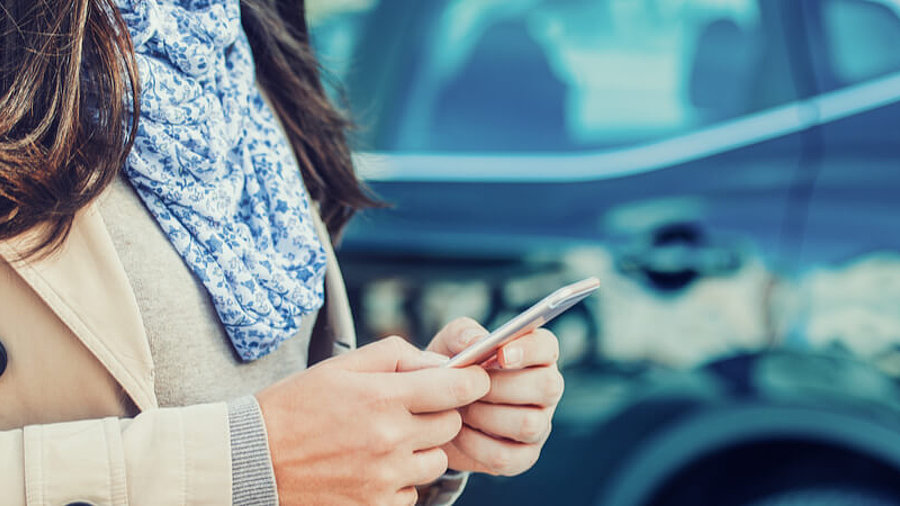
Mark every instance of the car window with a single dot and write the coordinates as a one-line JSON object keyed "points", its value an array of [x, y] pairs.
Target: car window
{"points": [[533, 75], [862, 39]]}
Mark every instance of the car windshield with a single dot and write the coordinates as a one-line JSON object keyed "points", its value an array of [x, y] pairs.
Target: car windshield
{"points": [[534, 75]]}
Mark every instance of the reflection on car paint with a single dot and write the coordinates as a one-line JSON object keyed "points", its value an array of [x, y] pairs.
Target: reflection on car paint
{"points": [[853, 306], [712, 317]]}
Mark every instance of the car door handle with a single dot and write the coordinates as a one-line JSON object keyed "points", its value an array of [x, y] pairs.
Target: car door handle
{"points": [[672, 256]]}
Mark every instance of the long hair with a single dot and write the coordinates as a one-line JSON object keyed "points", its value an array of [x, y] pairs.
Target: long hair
{"points": [[57, 153], [69, 107], [288, 72]]}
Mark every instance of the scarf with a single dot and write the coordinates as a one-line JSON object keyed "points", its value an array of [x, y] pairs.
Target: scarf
{"points": [[212, 165]]}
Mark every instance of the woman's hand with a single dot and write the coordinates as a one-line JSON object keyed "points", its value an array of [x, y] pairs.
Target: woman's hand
{"points": [[503, 432], [353, 430]]}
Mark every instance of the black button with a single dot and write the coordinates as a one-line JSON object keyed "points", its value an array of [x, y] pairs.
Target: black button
{"points": [[3, 359], [79, 503]]}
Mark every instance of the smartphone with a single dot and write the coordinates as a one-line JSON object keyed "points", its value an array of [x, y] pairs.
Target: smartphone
{"points": [[551, 306]]}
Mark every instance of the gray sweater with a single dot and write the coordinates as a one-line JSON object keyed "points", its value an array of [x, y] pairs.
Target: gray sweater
{"points": [[193, 357], [194, 361]]}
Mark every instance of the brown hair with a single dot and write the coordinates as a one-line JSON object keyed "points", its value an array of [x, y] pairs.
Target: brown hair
{"points": [[63, 59], [56, 154], [287, 70]]}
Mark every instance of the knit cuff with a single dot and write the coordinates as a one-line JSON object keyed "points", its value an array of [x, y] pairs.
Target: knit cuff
{"points": [[445, 491], [252, 475]]}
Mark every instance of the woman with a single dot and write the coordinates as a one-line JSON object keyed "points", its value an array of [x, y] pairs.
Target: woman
{"points": [[166, 278]]}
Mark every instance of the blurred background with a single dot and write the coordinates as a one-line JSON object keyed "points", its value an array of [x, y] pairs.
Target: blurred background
{"points": [[729, 169]]}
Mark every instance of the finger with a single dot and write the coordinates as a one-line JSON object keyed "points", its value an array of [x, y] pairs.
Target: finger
{"points": [[391, 354], [535, 386], [435, 429], [440, 389], [496, 456], [524, 424], [422, 360], [536, 348], [407, 496], [428, 465], [456, 336]]}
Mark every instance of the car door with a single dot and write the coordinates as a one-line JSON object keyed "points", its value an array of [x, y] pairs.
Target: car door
{"points": [[664, 138], [851, 286]]}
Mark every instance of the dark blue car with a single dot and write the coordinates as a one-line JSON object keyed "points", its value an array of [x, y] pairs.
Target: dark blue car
{"points": [[728, 168]]}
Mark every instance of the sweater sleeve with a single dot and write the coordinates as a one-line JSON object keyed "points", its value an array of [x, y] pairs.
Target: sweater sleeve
{"points": [[445, 491], [252, 474]]}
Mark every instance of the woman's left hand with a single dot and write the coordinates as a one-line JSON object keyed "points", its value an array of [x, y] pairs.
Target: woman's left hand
{"points": [[503, 433]]}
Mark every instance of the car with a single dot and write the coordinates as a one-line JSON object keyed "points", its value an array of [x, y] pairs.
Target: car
{"points": [[728, 169]]}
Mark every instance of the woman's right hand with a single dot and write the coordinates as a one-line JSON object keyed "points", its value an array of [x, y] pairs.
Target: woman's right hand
{"points": [[354, 430]]}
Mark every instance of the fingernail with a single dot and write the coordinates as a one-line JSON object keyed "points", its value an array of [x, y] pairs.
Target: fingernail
{"points": [[512, 356], [492, 364], [468, 336]]}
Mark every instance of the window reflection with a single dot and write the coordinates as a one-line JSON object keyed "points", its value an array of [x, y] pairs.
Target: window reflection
{"points": [[863, 38], [538, 75]]}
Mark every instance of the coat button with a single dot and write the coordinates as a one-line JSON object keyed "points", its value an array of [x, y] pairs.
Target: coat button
{"points": [[3, 359]]}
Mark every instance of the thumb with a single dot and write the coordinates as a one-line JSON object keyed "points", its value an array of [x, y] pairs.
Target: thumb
{"points": [[457, 336], [391, 354]]}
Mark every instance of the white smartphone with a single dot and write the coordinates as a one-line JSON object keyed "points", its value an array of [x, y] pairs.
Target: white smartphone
{"points": [[532, 318]]}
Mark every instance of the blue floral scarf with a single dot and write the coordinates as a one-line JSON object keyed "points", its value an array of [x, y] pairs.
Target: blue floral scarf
{"points": [[212, 165]]}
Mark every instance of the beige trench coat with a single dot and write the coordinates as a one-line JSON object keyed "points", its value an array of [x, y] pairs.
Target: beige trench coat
{"points": [[79, 420]]}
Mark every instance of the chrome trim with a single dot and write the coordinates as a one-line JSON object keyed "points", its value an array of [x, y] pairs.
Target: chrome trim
{"points": [[593, 166]]}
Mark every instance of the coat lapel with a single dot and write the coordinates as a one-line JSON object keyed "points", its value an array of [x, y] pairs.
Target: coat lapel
{"points": [[85, 284]]}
